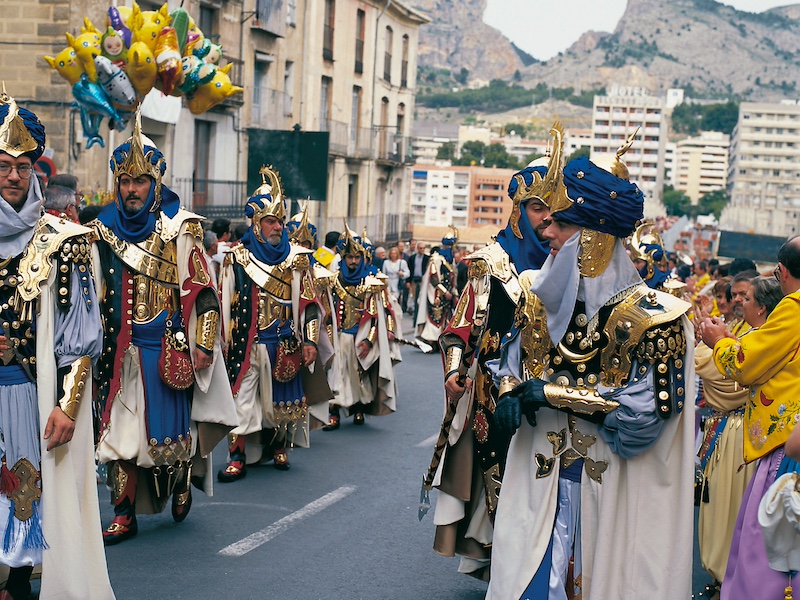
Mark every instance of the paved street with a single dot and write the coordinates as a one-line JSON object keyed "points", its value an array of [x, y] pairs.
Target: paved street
{"points": [[342, 523]]}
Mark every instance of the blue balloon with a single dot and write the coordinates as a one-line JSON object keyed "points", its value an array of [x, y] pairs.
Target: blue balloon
{"points": [[91, 127], [94, 99]]}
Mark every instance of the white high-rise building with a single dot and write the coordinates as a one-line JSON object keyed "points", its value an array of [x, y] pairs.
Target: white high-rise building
{"points": [[614, 118], [701, 164], [764, 172]]}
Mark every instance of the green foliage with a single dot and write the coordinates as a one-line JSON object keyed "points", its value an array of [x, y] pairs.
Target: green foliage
{"points": [[446, 151], [493, 155], [499, 96], [713, 202], [693, 118], [582, 151], [676, 202], [463, 76]]}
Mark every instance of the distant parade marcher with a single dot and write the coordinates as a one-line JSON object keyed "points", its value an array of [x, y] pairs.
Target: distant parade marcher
{"points": [[650, 258], [767, 361], [363, 376], [315, 383], [166, 399], [272, 329], [437, 290], [600, 367], [50, 335], [326, 255], [469, 457]]}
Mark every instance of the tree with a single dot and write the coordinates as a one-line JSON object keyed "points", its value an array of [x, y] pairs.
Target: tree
{"points": [[531, 157], [472, 153], [463, 76], [713, 202], [676, 202], [582, 151], [498, 156], [446, 151]]}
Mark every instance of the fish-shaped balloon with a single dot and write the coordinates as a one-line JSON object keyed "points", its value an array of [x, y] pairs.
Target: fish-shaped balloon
{"points": [[93, 98], [141, 69], [90, 122], [116, 83], [168, 59]]}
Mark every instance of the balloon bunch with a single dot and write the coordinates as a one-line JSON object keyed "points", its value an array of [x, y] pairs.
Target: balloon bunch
{"points": [[112, 71]]}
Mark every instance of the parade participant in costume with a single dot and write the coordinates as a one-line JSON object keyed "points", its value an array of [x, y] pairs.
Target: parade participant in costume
{"points": [[50, 334], [650, 259], [767, 361], [166, 400], [725, 478], [598, 364], [436, 291], [315, 383], [272, 330], [363, 373], [469, 457]]}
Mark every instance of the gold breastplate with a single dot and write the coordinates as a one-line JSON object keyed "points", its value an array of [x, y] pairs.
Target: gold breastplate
{"points": [[150, 297], [351, 304], [271, 309]]}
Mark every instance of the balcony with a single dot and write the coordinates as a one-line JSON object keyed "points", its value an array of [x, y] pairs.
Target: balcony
{"points": [[212, 198], [347, 140], [393, 148]]}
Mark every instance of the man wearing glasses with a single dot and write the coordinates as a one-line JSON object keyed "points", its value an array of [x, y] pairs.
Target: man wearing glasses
{"points": [[767, 361], [50, 334]]}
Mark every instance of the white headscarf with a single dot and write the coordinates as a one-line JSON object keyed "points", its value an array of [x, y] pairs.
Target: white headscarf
{"points": [[559, 285], [16, 228]]}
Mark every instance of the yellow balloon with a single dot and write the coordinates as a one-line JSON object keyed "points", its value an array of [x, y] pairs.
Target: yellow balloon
{"points": [[142, 68]]}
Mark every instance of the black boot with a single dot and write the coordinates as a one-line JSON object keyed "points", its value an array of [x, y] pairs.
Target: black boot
{"points": [[182, 495], [333, 419], [18, 586]]}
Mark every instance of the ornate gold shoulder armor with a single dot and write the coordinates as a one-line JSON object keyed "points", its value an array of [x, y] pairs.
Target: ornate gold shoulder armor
{"points": [[170, 228], [644, 309], [531, 318], [491, 260], [51, 236], [300, 258]]}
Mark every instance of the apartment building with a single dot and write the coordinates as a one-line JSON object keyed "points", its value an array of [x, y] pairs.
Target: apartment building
{"points": [[764, 171], [618, 115], [701, 164], [428, 137], [471, 196]]}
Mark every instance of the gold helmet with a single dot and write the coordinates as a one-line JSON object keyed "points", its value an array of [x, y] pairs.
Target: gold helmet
{"points": [[301, 231], [545, 188], [139, 156], [266, 201], [21, 132], [350, 244], [646, 244]]}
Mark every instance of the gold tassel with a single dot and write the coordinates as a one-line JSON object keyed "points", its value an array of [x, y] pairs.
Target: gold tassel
{"points": [[787, 593]]}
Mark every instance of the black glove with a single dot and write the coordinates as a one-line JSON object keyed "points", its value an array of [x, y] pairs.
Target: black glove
{"points": [[508, 414], [530, 394]]}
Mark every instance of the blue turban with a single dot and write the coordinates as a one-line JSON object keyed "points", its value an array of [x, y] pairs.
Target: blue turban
{"points": [[121, 152], [601, 201], [32, 124]]}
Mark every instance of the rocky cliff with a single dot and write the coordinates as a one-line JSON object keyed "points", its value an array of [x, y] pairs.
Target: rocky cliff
{"points": [[698, 44], [458, 38]]}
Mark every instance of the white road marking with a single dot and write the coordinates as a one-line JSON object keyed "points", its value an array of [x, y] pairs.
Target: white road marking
{"points": [[253, 541], [428, 442]]}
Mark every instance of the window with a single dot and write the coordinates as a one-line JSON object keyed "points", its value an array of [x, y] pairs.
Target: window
{"points": [[387, 56], [203, 136], [352, 195], [327, 36], [207, 22], [325, 103], [288, 88], [260, 86], [355, 117], [360, 32], [404, 65]]}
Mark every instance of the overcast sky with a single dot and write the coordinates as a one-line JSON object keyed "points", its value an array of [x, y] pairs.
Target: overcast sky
{"points": [[543, 28]]}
